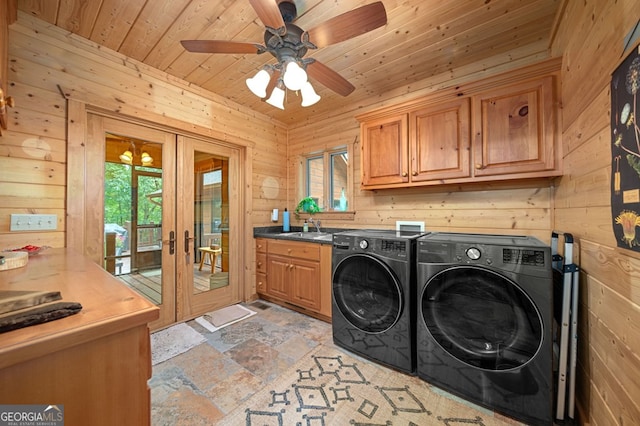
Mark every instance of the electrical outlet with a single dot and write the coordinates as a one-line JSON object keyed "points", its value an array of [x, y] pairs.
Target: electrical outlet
{"points": [[34, 222]]}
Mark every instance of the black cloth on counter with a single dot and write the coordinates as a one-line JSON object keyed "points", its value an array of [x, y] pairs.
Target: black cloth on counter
{"points": [[37, 315]]}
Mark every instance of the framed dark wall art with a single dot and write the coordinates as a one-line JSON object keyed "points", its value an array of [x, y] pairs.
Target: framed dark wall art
{"points": [[625, 152]]}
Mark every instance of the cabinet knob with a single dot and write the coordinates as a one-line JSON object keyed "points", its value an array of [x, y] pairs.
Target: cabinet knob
{"points": [[404, 174], [259, 264], [414, 173], [479, 166]]}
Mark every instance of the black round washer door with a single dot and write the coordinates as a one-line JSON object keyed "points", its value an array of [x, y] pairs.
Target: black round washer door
{"points": [[367, 293], [481, 318]]}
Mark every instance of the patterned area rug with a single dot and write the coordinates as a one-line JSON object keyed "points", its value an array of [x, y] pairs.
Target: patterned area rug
{"points": [[173, 341], [329, 387]]}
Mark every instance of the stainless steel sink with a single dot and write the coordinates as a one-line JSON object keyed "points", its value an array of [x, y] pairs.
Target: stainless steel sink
{"points": [[322, 236]]}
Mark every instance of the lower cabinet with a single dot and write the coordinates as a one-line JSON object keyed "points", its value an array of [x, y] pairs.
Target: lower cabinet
{"points": [[295, 274]]}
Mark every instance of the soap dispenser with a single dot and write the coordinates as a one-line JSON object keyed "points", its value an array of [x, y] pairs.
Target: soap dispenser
{"points": [[305, 227]]}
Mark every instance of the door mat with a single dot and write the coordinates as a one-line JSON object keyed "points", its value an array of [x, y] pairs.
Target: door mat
{"points": [[173, 341], [214, 321], [329, 387]]}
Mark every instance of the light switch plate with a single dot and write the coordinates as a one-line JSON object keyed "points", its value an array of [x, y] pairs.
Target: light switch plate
{"points": [[34, 222]]}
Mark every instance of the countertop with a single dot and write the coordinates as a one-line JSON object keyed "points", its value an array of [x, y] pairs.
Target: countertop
{"points": [[108, 306], [296, 234]]}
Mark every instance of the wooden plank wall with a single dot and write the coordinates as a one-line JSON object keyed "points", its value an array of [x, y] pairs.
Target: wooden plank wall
{"points": [[590, 39], [46, 61]]}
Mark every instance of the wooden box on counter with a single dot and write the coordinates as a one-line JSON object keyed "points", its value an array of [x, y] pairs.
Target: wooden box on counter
{"points": [[97, 362]]}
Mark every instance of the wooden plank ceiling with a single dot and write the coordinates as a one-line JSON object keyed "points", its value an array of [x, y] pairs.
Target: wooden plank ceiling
{"points": [[422, 38]]}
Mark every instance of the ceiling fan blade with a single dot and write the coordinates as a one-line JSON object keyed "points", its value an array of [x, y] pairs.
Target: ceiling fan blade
{"points": [[348, 25], [269, 13], [218, 46], [329, 78]]}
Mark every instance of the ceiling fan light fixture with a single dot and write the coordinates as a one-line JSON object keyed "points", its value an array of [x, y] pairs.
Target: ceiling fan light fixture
{"points": [[127, 157], [259, 82], [294, 76], [277, 97], [289, 43], [309, 96]]}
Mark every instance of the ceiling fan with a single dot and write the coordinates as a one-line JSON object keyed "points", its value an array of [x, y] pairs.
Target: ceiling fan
{"points": [[289, 43]]}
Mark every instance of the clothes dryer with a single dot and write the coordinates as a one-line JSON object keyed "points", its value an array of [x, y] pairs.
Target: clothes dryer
{"points": [[373, 289], [485, 312]]}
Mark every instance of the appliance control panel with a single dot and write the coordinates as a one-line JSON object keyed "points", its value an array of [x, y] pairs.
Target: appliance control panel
{"points": [[393, 246], [486, 254], [523, 256], [397, 249]]}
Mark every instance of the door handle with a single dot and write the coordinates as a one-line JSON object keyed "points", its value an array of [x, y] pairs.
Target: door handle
{"points": [[186, 241], [186, 246], [172, 242]]}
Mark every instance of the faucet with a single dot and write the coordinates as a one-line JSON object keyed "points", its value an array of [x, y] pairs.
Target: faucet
{"points": [[316, 223]]}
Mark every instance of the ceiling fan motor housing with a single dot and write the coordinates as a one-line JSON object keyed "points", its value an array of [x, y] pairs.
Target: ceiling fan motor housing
{"points": [[288, 46]]}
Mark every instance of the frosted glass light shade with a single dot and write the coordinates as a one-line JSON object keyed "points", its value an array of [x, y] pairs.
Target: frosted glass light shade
{"points": [[294, 76], [146, 159], [277, 98], [258, 83], [309, 96], [126, 157]]}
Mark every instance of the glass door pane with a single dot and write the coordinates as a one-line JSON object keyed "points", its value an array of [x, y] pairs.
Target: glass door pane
{"points": [[211, 220], [133, 214], [147, 256]]}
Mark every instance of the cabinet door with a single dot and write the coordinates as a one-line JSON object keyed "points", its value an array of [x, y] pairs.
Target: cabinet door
{"points": [[439, 141], [515, 129], [305, 284], [279, 272], [385, 157]]}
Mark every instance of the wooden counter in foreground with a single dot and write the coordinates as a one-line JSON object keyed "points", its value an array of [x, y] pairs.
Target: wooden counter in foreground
{"points": [[97, 362]]}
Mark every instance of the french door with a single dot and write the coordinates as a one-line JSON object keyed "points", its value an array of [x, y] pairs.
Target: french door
{"points": [[208, 215], [160, 216]]}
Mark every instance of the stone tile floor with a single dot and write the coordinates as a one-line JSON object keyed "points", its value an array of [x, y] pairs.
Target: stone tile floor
{"points": [[206, 383], [202, 385]]}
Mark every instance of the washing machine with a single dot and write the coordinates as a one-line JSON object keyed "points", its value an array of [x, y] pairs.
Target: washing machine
{"points": [[373, 289], [485, 312]]}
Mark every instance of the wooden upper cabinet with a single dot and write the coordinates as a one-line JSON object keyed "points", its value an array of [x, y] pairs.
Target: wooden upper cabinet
{"points": [[501, 128], [439, 141], [515, 129], [385, 156]]}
